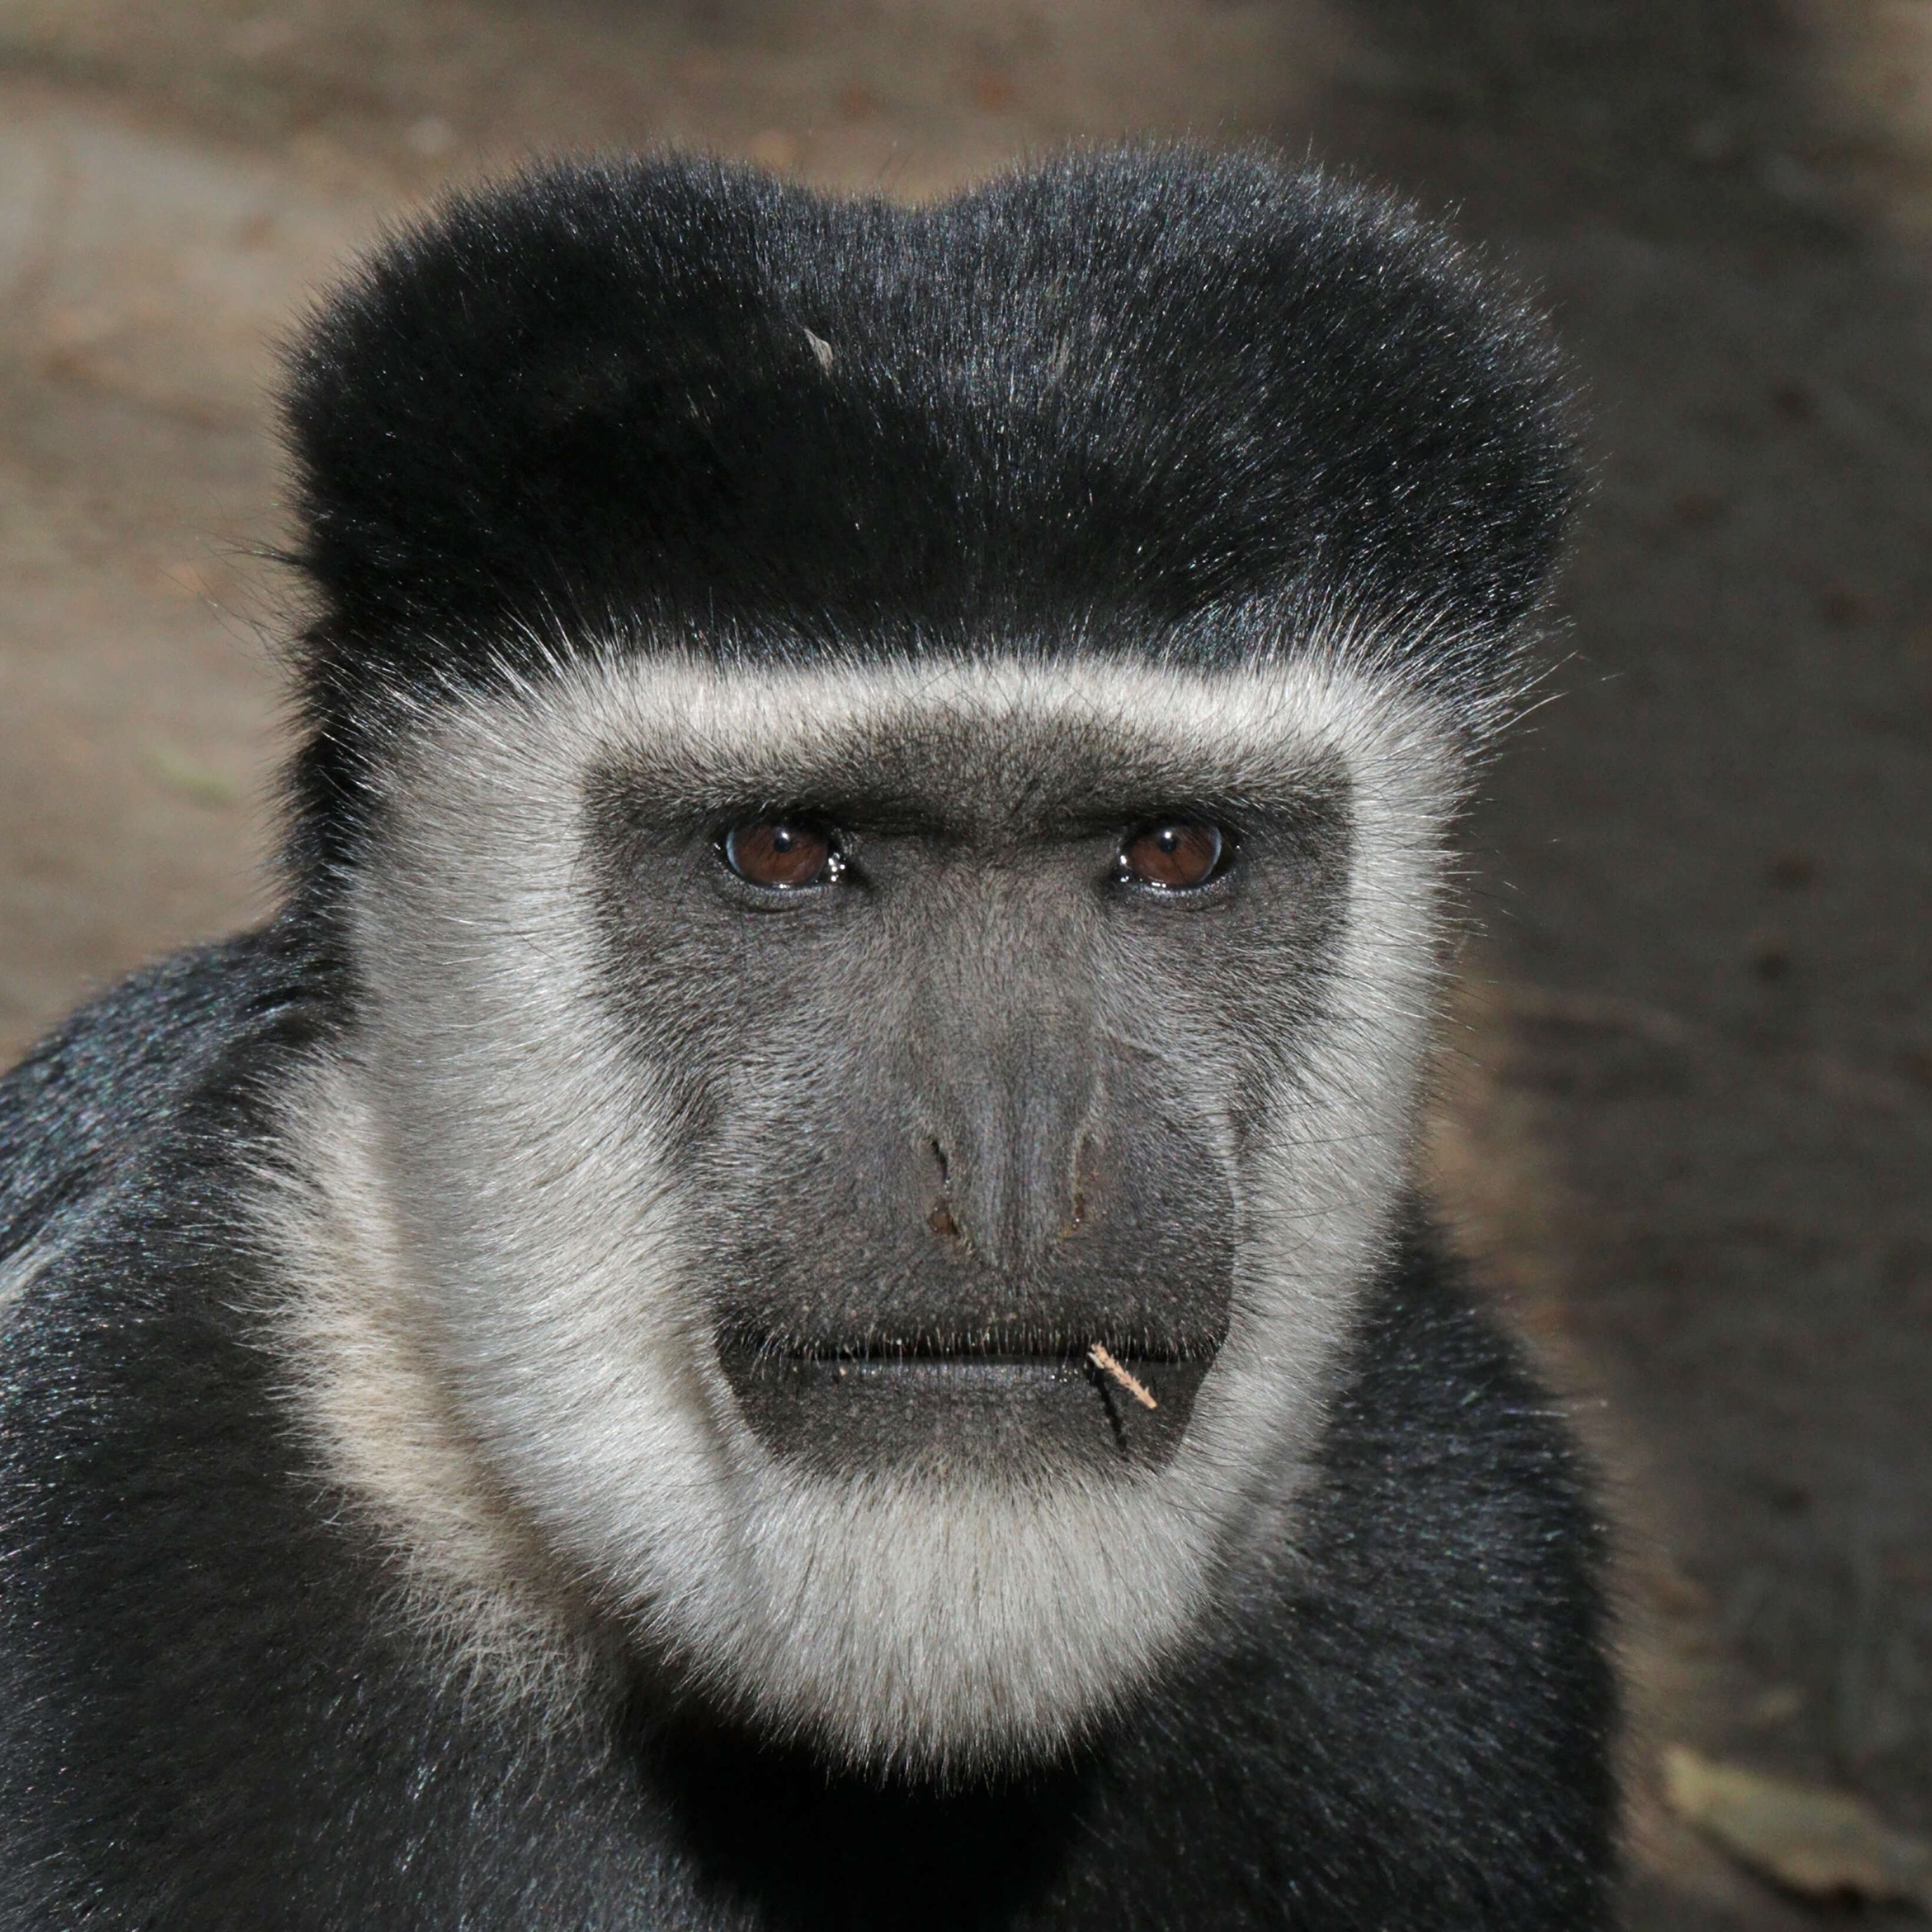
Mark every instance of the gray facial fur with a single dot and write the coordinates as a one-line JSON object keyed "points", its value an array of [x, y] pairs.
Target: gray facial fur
{"points": [[957, 1117], [642, 1162]]}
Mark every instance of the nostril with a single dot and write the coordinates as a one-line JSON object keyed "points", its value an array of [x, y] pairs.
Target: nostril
{"points": [[1077, 1190], [940, 1220]]}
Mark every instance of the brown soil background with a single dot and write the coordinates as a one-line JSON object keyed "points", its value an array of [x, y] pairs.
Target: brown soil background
{"points": [[1687, 1104]]}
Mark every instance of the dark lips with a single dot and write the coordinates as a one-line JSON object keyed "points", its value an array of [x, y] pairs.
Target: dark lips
{"points": [[841, 1411]]}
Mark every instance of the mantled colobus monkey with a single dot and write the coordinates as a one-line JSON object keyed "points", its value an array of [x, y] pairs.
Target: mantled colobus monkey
{"points": [[788, 1292]]}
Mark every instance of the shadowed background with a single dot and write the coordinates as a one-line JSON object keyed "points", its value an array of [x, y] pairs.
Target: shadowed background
{"points": [[1687, 1105]]}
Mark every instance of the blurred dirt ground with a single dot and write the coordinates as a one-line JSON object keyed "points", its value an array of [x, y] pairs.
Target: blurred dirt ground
{"points": [[1688, 1102]]}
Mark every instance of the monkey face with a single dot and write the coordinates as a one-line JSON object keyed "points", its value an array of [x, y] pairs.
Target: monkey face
{"points": [[970, 1026], [880, 1165]]}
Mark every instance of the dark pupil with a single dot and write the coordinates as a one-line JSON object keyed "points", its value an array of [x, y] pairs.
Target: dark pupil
{"points": [[777, 854], [1173, 856]]}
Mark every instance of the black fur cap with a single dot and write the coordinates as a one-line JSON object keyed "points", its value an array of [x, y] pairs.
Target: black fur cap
{"points": [[1103, 403]]}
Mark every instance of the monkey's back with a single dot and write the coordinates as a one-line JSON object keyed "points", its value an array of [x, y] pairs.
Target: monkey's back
{"points": [[212, 1715]]}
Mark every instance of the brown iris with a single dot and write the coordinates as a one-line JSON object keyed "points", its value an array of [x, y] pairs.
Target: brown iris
{"points": [[1173, 857], [781, 853]]}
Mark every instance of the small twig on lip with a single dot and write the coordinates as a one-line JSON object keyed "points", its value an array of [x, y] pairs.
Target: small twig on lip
{"points": [[1106, 1364]]}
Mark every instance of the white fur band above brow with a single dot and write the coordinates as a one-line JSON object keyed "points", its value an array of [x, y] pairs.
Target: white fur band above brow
{"points": [[710, 723]]}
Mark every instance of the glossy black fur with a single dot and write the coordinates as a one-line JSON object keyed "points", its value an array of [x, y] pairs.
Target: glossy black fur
{"points": [[1148, 403], [207, 1720], [1108, 404]]}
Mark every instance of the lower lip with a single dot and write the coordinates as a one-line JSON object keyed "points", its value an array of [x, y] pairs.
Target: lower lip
{"points": [[1015, 1415]]}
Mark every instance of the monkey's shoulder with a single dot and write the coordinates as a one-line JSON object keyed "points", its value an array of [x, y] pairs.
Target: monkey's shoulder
{"points": [[212, 1712], [85, 1108]]}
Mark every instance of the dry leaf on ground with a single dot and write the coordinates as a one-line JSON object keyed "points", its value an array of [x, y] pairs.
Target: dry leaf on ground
{"points": [[1823, 1844]]}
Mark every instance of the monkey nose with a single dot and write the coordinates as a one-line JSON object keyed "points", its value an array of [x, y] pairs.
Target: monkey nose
{"points": [[1008, 1194], [941, 1219]]}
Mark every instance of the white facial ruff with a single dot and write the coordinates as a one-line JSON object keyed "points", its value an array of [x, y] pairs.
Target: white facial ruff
{"points": [[490, 1339]]}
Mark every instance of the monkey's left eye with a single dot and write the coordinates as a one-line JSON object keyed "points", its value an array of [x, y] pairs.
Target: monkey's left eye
{"points": [[782, 854], [1175, 857]]}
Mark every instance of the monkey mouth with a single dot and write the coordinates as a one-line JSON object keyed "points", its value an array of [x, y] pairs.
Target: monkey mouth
{"points": [[1002, 1402]]}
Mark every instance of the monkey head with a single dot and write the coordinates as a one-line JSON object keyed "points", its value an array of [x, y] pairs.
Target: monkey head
{"points": [[879, 779]]}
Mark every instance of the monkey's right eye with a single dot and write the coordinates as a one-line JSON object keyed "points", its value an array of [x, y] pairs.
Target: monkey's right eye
{"points": [[782, 854]]}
